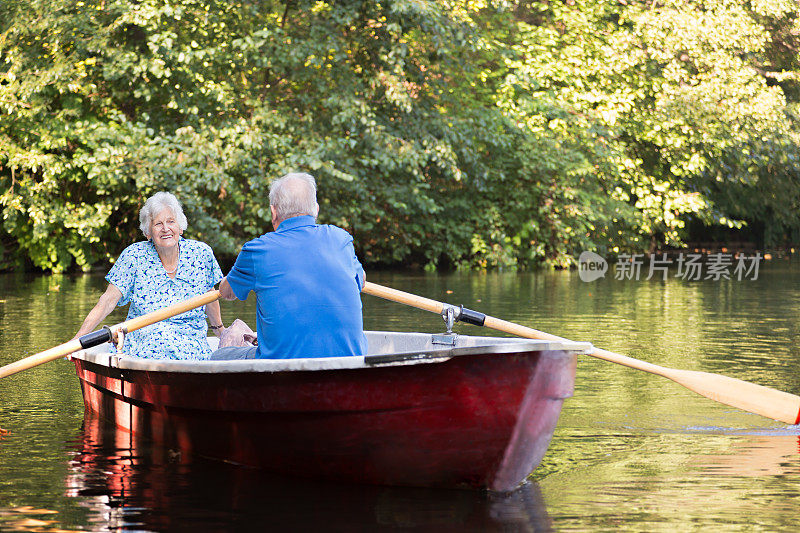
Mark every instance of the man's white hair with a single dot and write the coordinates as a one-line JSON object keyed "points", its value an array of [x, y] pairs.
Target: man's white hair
{"points": [[157, 203], [292, 195]]}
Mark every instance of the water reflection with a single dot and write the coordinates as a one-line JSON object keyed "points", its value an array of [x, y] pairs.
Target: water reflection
{"points": [[752, 453], [130, 485], [756, 456]]}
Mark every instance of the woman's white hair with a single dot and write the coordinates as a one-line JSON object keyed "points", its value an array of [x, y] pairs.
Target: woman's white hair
{"points": [[294, 194], [157, 203]]}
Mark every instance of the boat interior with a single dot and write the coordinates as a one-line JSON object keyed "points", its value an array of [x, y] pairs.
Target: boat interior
{"points": [[393, 342], [384, 348]]}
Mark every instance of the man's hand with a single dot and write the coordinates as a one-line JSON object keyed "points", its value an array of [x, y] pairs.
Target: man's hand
{"points": [[225, 290]]}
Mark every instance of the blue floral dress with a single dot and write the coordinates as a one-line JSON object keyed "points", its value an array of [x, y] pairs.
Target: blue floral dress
{"points": [[143, 282]]}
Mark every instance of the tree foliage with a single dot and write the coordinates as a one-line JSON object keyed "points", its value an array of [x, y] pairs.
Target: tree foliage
{"points": [[476, 134]]}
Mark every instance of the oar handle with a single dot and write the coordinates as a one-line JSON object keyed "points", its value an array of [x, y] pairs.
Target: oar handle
{"points": [[92, 339], [502, 325], [168, 312], [406, 298]]}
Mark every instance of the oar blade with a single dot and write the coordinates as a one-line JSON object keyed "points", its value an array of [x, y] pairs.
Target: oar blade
{"points": [[764, 401]]}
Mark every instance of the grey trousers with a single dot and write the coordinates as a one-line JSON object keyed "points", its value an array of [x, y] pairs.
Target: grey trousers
{"points": [[234, 352]]}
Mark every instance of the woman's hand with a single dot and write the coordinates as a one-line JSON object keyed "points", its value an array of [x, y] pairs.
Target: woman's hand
{"points": [[119, 340]]}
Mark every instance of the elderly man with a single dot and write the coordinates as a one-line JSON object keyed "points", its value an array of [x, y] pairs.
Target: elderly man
{"points": [[307, 281]]}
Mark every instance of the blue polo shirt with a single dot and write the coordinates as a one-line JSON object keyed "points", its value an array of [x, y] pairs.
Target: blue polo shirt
{"points": [[307, 281]]}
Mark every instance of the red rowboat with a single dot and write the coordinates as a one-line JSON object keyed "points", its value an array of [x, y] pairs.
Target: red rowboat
{"points": [[419, 410]]}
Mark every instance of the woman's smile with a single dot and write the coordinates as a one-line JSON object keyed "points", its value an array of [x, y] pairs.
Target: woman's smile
{"points": [[165, 229]]}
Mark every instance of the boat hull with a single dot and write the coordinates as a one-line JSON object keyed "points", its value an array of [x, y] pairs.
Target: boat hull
{"points": [[483, 420]]}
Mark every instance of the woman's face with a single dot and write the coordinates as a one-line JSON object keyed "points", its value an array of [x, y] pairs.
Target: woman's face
{"points": [[164, 229]]}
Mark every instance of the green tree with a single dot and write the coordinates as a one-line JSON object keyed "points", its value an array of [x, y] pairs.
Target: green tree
{"points": [[475, 134]]}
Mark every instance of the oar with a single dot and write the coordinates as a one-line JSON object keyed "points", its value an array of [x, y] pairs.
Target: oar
{"points": [[743, 395], [104, 335]]}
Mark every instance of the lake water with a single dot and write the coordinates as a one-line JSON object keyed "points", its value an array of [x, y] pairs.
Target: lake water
{"points": [[632, 451]]}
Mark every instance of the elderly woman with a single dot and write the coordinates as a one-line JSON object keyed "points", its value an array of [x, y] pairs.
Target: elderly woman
{"points": [[163, 270]]}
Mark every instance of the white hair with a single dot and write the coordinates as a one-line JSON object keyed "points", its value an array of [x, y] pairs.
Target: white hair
{"points": [[294, 194], [157, 203]]}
